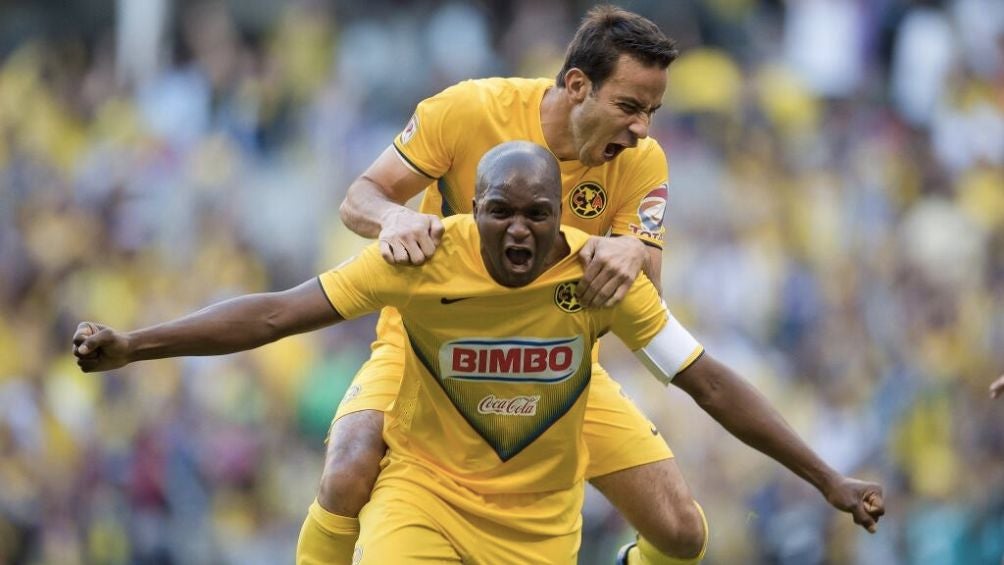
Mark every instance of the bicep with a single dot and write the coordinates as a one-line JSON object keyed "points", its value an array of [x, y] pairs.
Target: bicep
{"points": [[393, 177], [303, 308]]}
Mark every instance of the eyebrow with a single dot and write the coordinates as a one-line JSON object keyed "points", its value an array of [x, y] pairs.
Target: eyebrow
{"points": [[635, 102]]}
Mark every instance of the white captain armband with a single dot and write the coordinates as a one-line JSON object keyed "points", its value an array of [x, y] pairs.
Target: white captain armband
{"points": [[672, 350]]}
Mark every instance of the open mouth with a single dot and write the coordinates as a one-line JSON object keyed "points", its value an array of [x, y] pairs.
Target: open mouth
{"points": [[612, 150], [519, 257]]}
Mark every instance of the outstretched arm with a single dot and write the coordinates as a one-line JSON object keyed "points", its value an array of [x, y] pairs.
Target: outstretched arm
{"points": [[746, 414], [233, 325], [374, 208]]}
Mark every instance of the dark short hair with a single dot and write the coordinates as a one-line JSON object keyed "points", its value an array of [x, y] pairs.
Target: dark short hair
{"points": [[607, 32]]}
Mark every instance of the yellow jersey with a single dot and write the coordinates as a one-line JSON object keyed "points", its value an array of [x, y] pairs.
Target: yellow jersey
{"points": [[450, 132], [492, 399]]}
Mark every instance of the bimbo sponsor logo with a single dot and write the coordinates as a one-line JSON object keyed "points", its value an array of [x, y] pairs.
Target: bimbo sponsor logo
{"points": [[515, 406], [513, 359]]}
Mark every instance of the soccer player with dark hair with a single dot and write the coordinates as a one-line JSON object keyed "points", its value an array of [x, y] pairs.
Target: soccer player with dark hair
{"points": [[595, 118], [486, 457]]}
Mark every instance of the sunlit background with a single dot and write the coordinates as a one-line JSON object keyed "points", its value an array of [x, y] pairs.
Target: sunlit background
{"points": [[835, 232]]}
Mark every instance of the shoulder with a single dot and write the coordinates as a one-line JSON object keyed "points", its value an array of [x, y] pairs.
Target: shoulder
{"points": [[648, 151], [460, 233], [498, 91], [575, 238]]}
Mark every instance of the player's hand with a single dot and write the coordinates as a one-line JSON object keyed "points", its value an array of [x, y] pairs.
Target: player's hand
{"points": [[99, 348], [863, 500], [997, 387], [409, 237], [611, 265]]}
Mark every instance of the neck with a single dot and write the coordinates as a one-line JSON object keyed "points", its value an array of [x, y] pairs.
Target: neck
{"points": [[558, 252], [555, 113]]}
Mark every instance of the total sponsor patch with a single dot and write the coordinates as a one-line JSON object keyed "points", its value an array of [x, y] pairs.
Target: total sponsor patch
{"points": [[409, 130], [652, 208]]}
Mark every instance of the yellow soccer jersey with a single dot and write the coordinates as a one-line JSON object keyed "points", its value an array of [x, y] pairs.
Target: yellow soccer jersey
{"points": [[448, 134], [492, 396]]}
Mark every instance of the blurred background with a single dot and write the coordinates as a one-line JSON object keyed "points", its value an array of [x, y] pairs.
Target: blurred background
{"points": [[835, 232]]}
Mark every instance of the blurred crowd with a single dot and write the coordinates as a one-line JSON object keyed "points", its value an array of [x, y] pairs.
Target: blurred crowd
{"points": [[835, 231]]}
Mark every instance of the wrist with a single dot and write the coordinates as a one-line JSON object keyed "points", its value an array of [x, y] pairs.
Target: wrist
{"points": [[386, 217], [828, 481], [132, 347]]}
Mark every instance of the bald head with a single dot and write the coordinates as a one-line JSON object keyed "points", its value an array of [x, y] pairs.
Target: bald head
{"points": [[514, 164], [517, 207]]}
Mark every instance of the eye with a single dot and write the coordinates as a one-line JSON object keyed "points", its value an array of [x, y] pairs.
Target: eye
{"points": [[539, 214], [627, 108], [498, 212]]}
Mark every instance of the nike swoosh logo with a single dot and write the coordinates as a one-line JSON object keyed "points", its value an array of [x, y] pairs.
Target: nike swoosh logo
{"points": [[452, 300]]}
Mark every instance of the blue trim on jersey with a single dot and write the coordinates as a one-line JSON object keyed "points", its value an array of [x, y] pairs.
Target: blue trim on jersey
{"points": [[498, 379], [443, 188]]}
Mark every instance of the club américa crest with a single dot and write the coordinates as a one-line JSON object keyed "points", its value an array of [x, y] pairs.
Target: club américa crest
{"points": [[587, 200], [565, 298]]}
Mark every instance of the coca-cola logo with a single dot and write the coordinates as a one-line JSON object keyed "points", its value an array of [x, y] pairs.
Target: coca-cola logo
{"points": [[515, 406]]}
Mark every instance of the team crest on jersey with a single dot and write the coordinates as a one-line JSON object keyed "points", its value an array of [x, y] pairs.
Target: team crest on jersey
{"points": [[511, 390], [587, 200], [565, 297], [653, 207], [409, 130]]}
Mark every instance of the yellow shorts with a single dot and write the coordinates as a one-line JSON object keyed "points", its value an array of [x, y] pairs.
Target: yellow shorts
{"points": [[618, 436], [404, 523]]}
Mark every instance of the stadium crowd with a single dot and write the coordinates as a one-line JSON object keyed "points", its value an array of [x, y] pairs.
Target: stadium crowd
{"points": [[835, 230]]}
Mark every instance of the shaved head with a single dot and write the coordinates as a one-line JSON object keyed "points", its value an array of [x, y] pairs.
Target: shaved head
{"points": [[517, 207], [518, 163]]}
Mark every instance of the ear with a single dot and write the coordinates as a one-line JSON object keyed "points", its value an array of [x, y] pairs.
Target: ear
{"points": [[577, 84], [474, 206]]}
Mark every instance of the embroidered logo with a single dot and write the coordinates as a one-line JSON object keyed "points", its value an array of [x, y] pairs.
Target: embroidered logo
{"points": [[565, 298], [409, 130], [587, 200]]}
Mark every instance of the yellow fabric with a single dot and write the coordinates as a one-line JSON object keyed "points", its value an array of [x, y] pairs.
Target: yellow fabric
{"points": [[617, 434], [513, 428], [450, 132], [326, 538], [446, 138], [405, 523], [644, 553]]}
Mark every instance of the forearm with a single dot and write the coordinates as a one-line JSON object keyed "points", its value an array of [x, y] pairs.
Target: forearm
{"points": [[234, 325], [747, 415], [652, 267], [366, 208]]}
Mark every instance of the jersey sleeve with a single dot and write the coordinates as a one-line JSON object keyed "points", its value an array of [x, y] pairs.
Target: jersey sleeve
{"points": [[640, 316], [647, 186], [365, 283], [428, 143], [647, 327]]}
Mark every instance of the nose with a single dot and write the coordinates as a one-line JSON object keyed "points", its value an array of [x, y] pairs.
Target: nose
{"points": [[640, 124], [518, 229]]}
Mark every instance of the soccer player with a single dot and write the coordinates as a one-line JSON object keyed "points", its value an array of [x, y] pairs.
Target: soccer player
{"points": [[594, 117], [486, 458]]}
